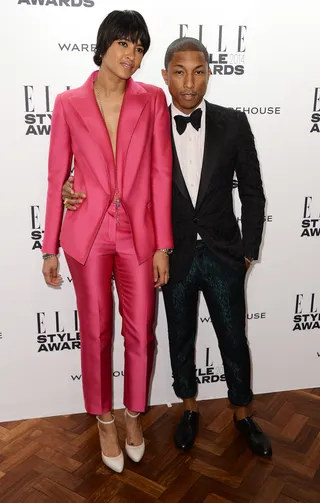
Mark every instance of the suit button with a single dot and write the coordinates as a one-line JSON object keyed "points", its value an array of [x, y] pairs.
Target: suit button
{"points": [[196, 220]]}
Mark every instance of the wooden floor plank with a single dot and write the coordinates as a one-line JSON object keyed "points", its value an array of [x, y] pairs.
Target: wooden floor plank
{"points": [[20, 455], [285, 499], [58, 459], [106, 493], [56, 491], [295, 424], [51, 471], [142, 483], [213, 498], [269, 492], [215, 473], [23, 486], [257, 477], [304, 495], [175, 492]]}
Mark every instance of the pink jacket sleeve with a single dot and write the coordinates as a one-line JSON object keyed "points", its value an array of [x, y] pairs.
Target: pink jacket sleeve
{"points": [[162, 174], [60, 157]]}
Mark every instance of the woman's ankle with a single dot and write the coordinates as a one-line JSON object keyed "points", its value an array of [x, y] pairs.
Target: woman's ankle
{"points": [[106, 417], [132, 414]]}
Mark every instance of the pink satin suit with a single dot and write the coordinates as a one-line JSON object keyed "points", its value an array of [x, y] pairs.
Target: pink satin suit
{"points": [[98, 243]]}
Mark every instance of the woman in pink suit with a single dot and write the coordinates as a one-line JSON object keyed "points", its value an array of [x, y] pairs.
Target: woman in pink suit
{"points": [[118, 134]]}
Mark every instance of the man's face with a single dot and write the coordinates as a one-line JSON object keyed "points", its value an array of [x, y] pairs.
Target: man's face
{"points": [[187, 79], [123, 58]]}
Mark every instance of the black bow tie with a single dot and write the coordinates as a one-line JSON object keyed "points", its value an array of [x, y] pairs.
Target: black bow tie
{"points": [[194, 118]]}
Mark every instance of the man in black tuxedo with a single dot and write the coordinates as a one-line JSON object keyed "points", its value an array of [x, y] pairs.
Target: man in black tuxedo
{"points": [[210, 144]]}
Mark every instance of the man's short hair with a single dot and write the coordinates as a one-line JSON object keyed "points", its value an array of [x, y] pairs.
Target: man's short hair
{"points": [[184, 44]]}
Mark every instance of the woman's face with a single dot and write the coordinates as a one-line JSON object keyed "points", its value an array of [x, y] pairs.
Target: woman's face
{"points": [[123, 58]]}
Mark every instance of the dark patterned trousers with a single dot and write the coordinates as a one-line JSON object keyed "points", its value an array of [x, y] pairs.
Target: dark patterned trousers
{"points": [[223, 290]]}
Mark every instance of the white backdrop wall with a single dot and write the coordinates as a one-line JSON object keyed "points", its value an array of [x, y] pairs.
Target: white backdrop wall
{"points": [[265, 61]]}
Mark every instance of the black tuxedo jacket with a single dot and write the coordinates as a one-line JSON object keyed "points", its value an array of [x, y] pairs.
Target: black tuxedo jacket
{"points": [[229, 149]]}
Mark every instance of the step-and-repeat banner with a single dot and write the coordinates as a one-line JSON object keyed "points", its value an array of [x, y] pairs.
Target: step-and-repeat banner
{"points": [[264, 58]]}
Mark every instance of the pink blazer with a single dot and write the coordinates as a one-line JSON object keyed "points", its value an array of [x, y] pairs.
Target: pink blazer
{"points": [[144, 166]]}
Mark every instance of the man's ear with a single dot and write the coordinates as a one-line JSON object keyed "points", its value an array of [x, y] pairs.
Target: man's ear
{"points": [[165, 76]]}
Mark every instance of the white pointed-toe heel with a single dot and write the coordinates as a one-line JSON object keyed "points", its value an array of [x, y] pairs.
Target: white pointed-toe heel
{"points": [[135, 452], [116, 463]]}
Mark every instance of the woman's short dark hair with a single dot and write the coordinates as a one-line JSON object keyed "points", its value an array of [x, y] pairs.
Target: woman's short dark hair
{"points": [[121, 24]]}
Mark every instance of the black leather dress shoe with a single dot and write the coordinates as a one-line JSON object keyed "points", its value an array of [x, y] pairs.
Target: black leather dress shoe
{"points": [[256, 439], [187, 430]]}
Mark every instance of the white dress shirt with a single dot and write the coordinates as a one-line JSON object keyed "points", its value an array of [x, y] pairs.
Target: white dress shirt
{"points": [[190, 148]]}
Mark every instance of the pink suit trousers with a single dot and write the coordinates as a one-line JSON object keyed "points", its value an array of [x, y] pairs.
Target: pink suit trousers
{"points": [[113, 252]]}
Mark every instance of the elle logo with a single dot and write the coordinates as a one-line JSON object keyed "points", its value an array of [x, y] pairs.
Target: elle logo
{"points": [[226, 46], [315, 117], [52, 335], [310, 219], [38, 107], [209, 373], [307, 316]]}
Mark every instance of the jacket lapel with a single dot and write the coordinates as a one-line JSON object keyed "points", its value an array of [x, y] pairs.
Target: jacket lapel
{"points": [[85, 103], [86, 106], [177, 175], [134, 101], [212, 149]]}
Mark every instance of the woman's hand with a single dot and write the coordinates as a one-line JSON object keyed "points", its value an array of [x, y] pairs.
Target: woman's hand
{"points": [[50, 271]]}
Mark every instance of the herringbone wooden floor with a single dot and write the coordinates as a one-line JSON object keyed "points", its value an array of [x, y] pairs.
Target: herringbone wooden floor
{"points": [[58, 459]]}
